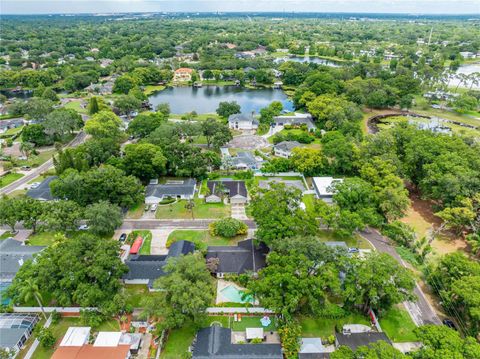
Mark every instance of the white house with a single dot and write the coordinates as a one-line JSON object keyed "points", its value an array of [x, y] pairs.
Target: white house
{"points": [[325, 187], [284, 148], [181, 189], [235, 190], [240, 121]]}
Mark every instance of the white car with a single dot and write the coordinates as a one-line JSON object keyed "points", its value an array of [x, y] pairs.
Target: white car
{"points": [[83, 227], [154, 207], [35, 185]]}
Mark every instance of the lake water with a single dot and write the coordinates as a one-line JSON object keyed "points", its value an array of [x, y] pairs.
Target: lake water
{"points": [[207, 98], [315, 60], [467, 70]]}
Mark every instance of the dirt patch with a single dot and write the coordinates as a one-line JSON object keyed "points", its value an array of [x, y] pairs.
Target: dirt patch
{"points": [[248, 142]]}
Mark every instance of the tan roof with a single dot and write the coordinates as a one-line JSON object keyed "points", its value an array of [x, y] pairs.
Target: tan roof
{"points": [[88, 351], [184, 69]]}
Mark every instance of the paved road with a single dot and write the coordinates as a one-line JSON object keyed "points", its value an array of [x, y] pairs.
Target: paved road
{"points": [[421, 311], [173, 223], [34, 173]]}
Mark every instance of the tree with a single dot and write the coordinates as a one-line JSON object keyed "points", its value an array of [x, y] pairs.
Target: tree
{"points": [[465, 103], [83, 270], [93, 106], [37, 108], [31, 212], [440, 341], [377, 350], [144, 160], [126, 104], [61, 216], [225, 109], [228, 227], [103, 218], [29, 290], [35, 133], [164, 109], [27, 148], [123, 84], [187, 291], [50, 94], [46, 337], [62, 121], [308, 161], [332, 112], [340, 153], [290, 333], [216, 133], [104, 124], [378, 282], [278, 214], [9, 212], [268, 113], [145, 123]]}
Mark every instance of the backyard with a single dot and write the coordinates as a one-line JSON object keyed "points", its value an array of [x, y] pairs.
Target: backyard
{"points": [[398, 325], [201, 238], [324, 327], [354, 240], [201, 210]]}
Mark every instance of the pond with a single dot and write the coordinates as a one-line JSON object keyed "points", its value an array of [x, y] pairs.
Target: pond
{"points": [[314, 60], [467, 70], [207, 98]]}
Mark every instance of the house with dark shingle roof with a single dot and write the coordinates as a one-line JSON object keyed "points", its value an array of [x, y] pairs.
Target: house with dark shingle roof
{"points": [[182, 189], [236, 191], [216, 342], [242, 258], [355, 340], [13, 254], [42, 192], [145, 269]]}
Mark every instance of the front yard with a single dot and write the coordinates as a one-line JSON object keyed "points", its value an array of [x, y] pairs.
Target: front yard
{"points": [[201, 210], [324, 327], [201, 238], [398, 325], [9, 178], [354, 240]]}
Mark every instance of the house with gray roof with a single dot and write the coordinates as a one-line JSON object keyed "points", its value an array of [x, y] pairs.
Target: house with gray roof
{"points": [[236, 191], [246, 256], [5, 125], [181, 189], [245, 161], [355, 340], [13, 254], [284, 148], [15, 329], [298, 119], [145, 269], [42, 192], [216, 342], [241, 121]]}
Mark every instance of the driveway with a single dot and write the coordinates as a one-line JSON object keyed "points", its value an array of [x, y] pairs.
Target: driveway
{"points": [[421, 311], [238, 211], [159, 240]]}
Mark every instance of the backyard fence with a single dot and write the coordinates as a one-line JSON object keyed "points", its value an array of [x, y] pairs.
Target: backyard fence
{"points": [[72, 310]]}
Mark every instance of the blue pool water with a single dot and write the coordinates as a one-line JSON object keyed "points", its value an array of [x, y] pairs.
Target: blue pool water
{"points": [[234, 295]]}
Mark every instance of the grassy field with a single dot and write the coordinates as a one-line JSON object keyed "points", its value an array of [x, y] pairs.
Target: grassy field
{"points": [[76, 105], [324, 327], [201, 238], [41, 239], [147, 242], [136, 292], [9, 178], [352, 241], [398, 325], [5, 235], [251, 322], [309, 200], [136, 211], [151, 89], [201, 210]]}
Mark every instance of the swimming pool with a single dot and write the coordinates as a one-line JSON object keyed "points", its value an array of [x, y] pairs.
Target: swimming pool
{"points": [[234, 295]]}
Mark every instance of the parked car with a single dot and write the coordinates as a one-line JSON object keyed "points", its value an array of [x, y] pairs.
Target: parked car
{"points": [[154, 207], [449, 323], [147, 207], [123, 237], [34, 185], [25, 168], [83, 227], [353, 250]]}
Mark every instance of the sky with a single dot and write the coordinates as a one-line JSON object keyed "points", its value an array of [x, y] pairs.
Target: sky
{"points": [[362, 6]]}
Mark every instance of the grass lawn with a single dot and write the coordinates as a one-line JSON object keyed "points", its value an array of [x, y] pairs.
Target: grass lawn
{"points": [[5, 235], [201, 210], [147, 242], [145, 234], [252, 322], [178, 342], [9, 178], [309, 200], [41, 239], [76, 105], [398, 325], [136, 211], [136, 292], [41, 178], [35, 161], [12, 131], [324, 327], [150, 89], [201, 238], [353, 241]]}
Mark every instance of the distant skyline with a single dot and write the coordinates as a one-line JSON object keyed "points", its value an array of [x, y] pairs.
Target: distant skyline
{"points": [[349, 6]]}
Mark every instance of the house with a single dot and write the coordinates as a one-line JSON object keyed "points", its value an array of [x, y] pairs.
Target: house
{"points": [[240, 121], [289, 183], [242, 258], [15, 329], [6, 125], [284, 148], [313, 348], [245, 161], [145, 269], [355, 340], [42, 192], [75, 337], [13, 254], [183, 74], [324, 187], [182, 189], [216, 342], [467, 54], [236, 191], [298, 119]]}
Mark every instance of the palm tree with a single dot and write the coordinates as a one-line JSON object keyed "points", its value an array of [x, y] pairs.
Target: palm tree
{"points": [[189, 206], [30, 290], [27, 148]]}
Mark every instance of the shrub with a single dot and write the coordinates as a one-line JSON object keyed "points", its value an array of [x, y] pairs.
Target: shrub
{"points": [[332, 311], [167, 200], [400, 233], [256, 341], [46, 337], [91, 318], [56, 316], [228, 228], [290, 337]]}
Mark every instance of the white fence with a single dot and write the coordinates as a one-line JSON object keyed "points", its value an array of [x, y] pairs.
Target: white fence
{"points": [[72, 310], [231, 310]]}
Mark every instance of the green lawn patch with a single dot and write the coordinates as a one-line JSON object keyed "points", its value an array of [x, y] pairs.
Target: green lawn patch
{"points": [[202, 210], [398, 325], [136, 211], [201, 238], [147, 242], [309, 200], [252, 322], [76, 105], [9, 178], [178, 342], [151, 89], [354, 240], [12, 131], [324, 327], [41, 238], [6, 235]]}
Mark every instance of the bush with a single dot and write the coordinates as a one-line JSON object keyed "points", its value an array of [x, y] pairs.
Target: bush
{"points": [[228, 228], [332, 311], [56, 316], [167, 200], [290, 337], [400, 233], [46, 337], [256, 341], [243, 175], [91, 318]]}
